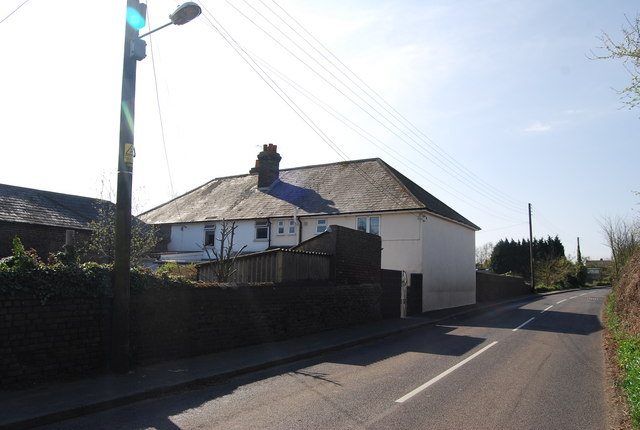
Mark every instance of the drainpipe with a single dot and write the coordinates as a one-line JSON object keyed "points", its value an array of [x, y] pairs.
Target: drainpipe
{"points": [[299, 230], [268, 233]]}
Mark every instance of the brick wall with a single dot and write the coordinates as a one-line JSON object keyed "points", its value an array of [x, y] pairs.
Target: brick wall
{"points": [[68, 337], [62, 338], [490, 286], [170, 325], [357, 255], [44, 239]]}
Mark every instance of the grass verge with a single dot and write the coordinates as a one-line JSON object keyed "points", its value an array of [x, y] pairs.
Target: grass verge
{"points": [[628, 359]]}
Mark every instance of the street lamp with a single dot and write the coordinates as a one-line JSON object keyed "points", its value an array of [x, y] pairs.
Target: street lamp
{"points": [[134, 50]]}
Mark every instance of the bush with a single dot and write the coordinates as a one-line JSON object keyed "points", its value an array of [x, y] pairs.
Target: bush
{"points": [[64, 276], [187, 271]]}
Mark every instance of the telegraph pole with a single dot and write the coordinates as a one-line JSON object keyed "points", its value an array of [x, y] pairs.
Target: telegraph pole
{"points": [[134, 50], [121, 264], [533, 281]]}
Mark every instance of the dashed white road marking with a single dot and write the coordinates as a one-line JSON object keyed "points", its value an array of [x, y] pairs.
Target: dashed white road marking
{"points": [[557, 303], [524, 324], [546, 309], [443, 374]]}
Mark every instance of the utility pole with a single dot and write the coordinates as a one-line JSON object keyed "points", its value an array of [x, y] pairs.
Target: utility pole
{"points": [[134, 50], [121, 264], [533, 281]]}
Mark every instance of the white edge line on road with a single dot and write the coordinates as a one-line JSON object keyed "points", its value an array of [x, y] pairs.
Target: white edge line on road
{"points": [[524, 324], [443, 374], [548, 307], [582, 294], [557, 303]]}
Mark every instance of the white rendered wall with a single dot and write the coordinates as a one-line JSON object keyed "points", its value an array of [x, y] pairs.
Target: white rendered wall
{"points": [[190, 237], [448, 267], [186, 237], [400, 234], [284, 240], [401, 242]]}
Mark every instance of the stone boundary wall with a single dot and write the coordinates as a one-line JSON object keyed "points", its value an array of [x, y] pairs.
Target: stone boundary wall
{"points": [[490, 286], [68, 337]]}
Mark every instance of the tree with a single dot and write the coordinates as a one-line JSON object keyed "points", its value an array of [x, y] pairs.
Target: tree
{"points": [[627, 50], [552, 271], [622, 237], [101, 244], [483, 255], [581, 270], [512, 256]]}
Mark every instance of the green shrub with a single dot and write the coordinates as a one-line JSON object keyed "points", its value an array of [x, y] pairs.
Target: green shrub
{"points": [[187, 271], [628, 356], [64, 276]]}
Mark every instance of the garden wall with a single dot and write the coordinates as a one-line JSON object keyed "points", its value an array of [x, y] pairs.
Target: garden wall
{"points": [[67, 337], [490, 286]]}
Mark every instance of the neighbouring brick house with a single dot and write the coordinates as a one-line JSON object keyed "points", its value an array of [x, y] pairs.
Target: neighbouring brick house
{"points": [[274, 208], [41, 219]]}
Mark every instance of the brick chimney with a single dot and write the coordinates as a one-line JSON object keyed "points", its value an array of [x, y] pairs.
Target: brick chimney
{"points": [[267, 166]]}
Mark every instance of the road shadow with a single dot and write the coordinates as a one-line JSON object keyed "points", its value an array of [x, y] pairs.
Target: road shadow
{"points": [[159, 412], [437, 340], [553, 321]]}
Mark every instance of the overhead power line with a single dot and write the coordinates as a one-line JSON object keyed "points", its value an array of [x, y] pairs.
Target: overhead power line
{"points": [[384, 114], [14, 11], [377, 116]]}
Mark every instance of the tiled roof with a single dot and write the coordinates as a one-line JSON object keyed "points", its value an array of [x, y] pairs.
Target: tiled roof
{"points": [[362, 186], [27, 205]]}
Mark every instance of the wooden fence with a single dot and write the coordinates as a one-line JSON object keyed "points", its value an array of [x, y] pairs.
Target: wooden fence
{"points": [[276, 265]]}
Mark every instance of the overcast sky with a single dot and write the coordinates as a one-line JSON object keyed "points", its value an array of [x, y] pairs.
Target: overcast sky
{"points": [[487, 104]]}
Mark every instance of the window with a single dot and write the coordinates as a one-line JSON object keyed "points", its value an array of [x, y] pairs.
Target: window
{"points": [[374, 225], [286, 226], [321, 226], [368, 224], [209, 234], [262, 230]]}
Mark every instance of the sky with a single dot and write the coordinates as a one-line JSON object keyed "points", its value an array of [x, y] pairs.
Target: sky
{"points": [[487, 104]]}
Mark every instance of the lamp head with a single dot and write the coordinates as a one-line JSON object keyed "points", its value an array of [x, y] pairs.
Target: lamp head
{"points": [[185, 13]]}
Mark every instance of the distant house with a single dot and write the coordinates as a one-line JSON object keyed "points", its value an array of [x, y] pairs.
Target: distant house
{"points": [[275, 208], [598, 270], [42, 219]]}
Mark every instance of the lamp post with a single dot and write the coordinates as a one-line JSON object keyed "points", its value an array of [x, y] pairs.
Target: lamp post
{"points": [[134, 50]]}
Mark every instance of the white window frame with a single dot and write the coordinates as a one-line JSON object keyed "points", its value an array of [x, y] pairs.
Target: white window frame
{"points": [[208, 230], [367, 224], [292, 227], [280, 228], [259, 226], [321, 225]]}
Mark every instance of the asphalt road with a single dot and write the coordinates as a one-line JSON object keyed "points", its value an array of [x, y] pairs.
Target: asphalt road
{"points": [[531, 365]]}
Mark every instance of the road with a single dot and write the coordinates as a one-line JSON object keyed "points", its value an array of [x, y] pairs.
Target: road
{"points": [[528, 365]]}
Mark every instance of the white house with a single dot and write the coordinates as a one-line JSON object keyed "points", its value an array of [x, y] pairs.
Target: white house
{"points": [[280, 208]]}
